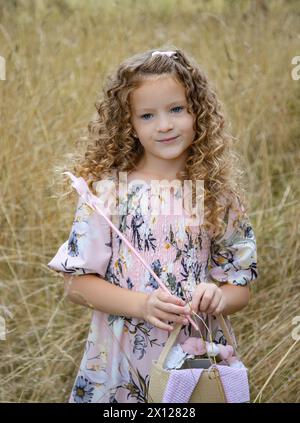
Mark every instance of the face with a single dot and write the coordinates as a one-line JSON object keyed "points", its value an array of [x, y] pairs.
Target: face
{"points": [[159, 112]]}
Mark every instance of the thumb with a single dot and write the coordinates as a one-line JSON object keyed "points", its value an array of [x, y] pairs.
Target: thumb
{"points": [[197, 298]]}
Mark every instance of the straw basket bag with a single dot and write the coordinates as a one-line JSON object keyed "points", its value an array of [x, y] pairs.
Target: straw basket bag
{"points": [[216, 384]]}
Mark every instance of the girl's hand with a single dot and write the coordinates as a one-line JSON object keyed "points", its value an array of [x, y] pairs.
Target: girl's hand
{"points": [[161, 307], [208, 298]]}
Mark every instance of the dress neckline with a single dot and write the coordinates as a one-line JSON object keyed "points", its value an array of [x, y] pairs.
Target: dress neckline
{"points": [[145, 184], [148, 184]]}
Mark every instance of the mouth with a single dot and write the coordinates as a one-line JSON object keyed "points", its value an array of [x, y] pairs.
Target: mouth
{"points": [[168, 140]]}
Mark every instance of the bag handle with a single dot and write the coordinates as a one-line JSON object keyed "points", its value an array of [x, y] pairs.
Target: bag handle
{"points": [[174, 334], [83, 190]]}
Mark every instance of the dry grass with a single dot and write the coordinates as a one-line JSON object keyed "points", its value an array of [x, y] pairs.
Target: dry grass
{"points": [[57, 53]]}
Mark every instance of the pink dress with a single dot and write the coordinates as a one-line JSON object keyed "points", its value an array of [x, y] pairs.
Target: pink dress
{"points": [[119, 350]]}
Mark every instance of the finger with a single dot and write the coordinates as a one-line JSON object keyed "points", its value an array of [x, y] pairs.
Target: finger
{"points": [[214, 304], [206, 300], [197, 297], [173, 318], [168, 297], [220, 308], [171, 304], [161, 325], [173, 299], [174, 309]]}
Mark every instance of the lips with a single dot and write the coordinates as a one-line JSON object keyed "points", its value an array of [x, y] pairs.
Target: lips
{"points": [[168, 139]]}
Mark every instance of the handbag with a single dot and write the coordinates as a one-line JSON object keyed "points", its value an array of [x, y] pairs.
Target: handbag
{"points": [[199, 380]]}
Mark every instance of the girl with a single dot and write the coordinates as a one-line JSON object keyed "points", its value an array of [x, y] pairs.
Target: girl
{"points": [[158, 119]]}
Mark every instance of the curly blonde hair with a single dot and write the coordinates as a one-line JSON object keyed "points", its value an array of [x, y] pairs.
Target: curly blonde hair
{"points": [[112, 145]]}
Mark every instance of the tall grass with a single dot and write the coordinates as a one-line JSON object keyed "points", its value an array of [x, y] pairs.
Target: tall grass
{"points": [[57, 55]]}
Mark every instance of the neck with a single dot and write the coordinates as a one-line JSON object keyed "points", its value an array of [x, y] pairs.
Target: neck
{"points": [[161, 168]]}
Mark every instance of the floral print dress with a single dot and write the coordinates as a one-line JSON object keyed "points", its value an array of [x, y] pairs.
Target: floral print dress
{"points": [[119, 350]]}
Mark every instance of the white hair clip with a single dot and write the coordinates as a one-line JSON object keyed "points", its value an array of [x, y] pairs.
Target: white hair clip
{"points": [[168, 53]]}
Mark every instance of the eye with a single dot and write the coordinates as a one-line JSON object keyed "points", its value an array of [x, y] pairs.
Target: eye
{"points": [[178, 107], [144, 116]]}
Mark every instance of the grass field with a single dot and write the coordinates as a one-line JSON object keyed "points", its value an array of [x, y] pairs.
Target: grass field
{"points": [[57, 55]]}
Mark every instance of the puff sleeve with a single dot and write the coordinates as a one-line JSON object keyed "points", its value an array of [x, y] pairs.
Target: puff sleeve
{"points": [[88, 249], [234, 256]]}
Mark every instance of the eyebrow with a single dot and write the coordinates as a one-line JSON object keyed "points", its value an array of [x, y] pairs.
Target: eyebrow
{"points": [[168, 105]]}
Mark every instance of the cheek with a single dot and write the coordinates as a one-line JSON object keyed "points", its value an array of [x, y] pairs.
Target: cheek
{"points": [[145, 137], [189, 124], [147, 132]]}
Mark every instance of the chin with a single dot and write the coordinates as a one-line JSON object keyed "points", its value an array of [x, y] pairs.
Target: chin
{"points": [[169, 156]]}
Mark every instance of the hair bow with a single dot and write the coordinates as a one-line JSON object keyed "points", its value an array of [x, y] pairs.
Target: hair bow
{"points": [[168, 53]]}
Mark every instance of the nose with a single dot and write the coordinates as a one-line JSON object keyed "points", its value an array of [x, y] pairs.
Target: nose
{"points": [[164, 123]]}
